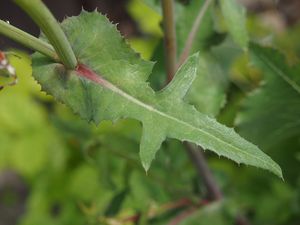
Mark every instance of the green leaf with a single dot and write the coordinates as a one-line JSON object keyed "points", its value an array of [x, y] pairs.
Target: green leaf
{"points": [[271, 113], [274, 62], [235, 19], [207, 92], [111, 84], [185, 17]]}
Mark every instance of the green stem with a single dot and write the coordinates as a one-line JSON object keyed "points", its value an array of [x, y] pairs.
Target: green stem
{"points": [[170, 37], [193, 33], [27, 40], [51, 28], [197, 157]]}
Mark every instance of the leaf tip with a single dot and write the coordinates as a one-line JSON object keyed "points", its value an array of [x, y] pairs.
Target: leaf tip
{"points": [[279, 173], [146, 166]]}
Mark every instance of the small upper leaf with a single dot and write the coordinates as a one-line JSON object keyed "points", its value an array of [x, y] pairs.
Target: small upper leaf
{"points": [[235, 19], [110, 83]]}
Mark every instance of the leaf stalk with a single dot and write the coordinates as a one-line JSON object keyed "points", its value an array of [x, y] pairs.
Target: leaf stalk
{"points": [[28, 40], [51, 28]]}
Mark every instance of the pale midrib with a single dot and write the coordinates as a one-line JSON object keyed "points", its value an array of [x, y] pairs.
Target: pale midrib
{"points": [[106, 84]]}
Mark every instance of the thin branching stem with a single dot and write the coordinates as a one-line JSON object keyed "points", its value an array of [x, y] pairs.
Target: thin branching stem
{"points": [[193, 33], [28, 40], [195, 153], [169, 37]]}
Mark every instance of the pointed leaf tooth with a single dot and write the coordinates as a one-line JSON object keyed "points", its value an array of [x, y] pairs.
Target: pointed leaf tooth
{"points": [[152, 138], [182, 80]]}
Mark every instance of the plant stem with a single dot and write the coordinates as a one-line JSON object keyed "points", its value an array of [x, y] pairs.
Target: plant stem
{"points": [[51, 28], [195, 154], [27, 40], [170, 37], [193, 33], [213, 191]]}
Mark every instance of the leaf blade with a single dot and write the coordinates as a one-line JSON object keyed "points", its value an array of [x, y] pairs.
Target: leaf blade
{"points": [[111, 84], [280, 122], [274, 61]]}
